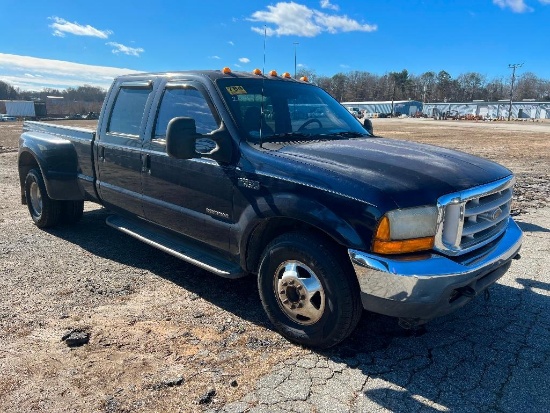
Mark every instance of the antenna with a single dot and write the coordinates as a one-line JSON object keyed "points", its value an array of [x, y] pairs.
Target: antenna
{"points": [[265, 37], [262, 96]]}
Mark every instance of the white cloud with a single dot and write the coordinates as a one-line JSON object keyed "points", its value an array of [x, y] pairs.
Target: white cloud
{"points": [[214, 57], [517, 6], [544, 1], [231, 43], [244, 60], [57, 74], [298, 20], [325, 4], [334, 24], [62, 26], [120, 48]]}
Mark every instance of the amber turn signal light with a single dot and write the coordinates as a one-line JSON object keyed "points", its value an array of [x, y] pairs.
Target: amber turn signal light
{"points": [[383, 244]]}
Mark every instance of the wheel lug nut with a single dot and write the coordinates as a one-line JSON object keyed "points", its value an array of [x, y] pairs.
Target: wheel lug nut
{"points": [[299, 287], [282, 292], [286, 302], [285, 284], [291, 282]]}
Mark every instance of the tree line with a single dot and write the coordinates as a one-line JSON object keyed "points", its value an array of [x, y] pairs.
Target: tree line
{"points": [[363, 86], [84, 93], [429, 87], [81, 100]]}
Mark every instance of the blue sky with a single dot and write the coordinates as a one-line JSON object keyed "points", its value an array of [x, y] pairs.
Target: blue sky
{"points": [[61, 44]]}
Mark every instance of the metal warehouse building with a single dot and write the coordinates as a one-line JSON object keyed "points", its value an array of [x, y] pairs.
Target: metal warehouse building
{"points": [[401, 107], [489, 110], [492, 110]]}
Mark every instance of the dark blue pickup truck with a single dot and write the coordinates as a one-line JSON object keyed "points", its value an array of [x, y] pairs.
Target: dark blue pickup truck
{"points": [[268, 176]]}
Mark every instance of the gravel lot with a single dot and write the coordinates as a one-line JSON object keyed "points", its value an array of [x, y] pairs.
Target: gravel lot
{"points": [[166, 336]]}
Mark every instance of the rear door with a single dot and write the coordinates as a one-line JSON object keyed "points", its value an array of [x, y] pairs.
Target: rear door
{"points": [[119, 149], [192, 197]]}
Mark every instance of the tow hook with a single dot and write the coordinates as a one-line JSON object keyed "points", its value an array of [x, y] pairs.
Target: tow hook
{"points": [[467, 291], [517, 256]]}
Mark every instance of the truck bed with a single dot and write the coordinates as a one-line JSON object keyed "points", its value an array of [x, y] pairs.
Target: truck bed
{"points": [[73, 150]]}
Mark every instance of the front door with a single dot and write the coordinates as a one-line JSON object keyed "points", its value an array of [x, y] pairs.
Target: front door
{"points": [[192, 197]]}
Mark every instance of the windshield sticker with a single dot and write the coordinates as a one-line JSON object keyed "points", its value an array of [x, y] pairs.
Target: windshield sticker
{"points": [[236, 90]]}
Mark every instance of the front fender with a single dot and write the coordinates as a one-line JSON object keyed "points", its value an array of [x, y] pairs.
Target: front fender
{"points": [[58, 163], [352, 228]]}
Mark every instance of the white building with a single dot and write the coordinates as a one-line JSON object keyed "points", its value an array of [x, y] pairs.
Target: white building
{"points": [[400, 107], [492, 110]]}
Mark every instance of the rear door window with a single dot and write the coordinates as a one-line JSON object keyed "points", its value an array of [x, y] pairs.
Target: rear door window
{"points": [[128, 110]]}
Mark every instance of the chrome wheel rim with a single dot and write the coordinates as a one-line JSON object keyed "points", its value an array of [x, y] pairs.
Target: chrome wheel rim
{"points": [[36, 198], [299, 292]]}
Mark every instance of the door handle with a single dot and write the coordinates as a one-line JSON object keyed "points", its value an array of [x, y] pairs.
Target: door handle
{"points": [[101, 153], [146, 163]]}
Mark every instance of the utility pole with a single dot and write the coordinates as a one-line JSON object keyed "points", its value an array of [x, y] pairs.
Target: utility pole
{"points": [[513, 67], [295, 44]]}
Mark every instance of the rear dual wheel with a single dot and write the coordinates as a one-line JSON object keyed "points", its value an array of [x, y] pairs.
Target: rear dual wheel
{"points": [[309, 295], [47, 212]]}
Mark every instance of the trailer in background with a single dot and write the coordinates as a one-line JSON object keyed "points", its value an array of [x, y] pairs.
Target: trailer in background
{"points": [[24, 109]]}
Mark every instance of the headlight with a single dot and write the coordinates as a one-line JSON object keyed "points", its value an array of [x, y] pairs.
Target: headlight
{"points": [[406, 230]]}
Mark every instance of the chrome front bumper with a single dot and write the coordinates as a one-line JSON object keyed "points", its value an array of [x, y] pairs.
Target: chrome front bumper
{"points": [[424, 286]]}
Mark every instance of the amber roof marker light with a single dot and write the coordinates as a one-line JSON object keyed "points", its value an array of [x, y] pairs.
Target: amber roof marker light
{"points": [[226, 71]]}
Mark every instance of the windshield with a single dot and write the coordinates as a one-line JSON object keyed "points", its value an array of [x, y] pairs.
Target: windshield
{"points": [[281, 111]]}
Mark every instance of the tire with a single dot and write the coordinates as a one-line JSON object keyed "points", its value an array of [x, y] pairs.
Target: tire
{"points": [[71, 211], [45, 212], [308, 294]]}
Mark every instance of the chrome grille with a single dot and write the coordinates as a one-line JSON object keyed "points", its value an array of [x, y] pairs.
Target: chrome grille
{"points": [[470, 219]]}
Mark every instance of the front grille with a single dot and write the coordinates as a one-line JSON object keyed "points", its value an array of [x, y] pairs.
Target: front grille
{"points": [[470, 219]]}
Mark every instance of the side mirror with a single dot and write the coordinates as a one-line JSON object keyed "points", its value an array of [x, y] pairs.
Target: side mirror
{"points": [[367, 124], [181, 135], [183, 141]]}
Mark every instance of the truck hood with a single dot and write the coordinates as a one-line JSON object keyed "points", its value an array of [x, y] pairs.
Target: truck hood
{"points": [[411, 174]]}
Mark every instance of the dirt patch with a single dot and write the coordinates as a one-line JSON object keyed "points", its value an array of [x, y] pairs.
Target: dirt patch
{"points": [[164, 335]]}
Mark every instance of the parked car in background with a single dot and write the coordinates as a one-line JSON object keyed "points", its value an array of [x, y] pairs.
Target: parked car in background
{"points": [[6, 118]]}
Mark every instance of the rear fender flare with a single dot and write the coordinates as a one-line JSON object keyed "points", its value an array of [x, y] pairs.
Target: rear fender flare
{"points": [[58, 164]]}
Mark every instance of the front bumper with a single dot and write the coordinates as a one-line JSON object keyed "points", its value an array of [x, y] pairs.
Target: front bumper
{"points": [[424, 286]]}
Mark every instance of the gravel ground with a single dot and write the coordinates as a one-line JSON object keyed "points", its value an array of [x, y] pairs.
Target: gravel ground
{"points": [[166, 336]]}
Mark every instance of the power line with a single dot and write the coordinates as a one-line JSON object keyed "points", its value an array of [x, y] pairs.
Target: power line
{"points": [[512, 66]]}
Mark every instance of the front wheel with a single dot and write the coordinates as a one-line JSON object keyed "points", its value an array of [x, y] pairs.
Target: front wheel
{"points": [[45, 212], [307, 293]]}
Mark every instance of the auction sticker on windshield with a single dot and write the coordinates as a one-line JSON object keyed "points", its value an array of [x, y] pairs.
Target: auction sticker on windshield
{"points": [[236, 90]]}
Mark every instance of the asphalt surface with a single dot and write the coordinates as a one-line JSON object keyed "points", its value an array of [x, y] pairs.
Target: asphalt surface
{"points": [[491, 356]]}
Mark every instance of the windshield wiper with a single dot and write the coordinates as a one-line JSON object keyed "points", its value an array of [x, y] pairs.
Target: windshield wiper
{"points": [[345, 134], [285, 137]]}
